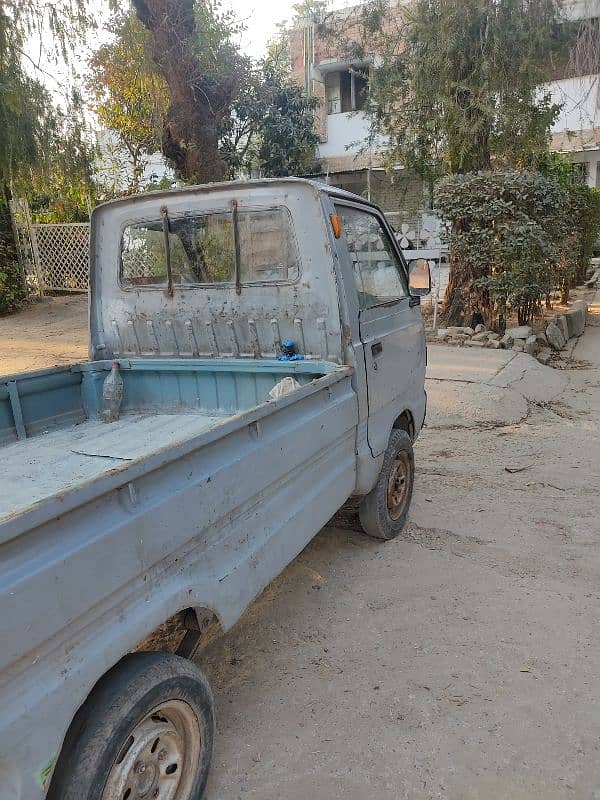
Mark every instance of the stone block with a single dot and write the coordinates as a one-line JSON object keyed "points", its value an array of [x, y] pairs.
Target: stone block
{"points": [[544, 355], [555, 337], [541, 339], [520, 332], [479, 328], [492, 336], [494, 344], [474, 343], [442, 334], [561, 321], [531, 345], [576, 318], [479, 337], [519, 345], [507, 341]]}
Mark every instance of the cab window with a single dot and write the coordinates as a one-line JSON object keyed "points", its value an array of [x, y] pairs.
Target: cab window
{"points": [[377, 270]]}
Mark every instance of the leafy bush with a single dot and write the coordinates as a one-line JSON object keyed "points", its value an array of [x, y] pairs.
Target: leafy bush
{"points": [[585, 212], [12, 291], [511, 242]]}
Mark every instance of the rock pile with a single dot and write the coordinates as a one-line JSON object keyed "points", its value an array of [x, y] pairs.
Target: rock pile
{"points": [[522, 338]]}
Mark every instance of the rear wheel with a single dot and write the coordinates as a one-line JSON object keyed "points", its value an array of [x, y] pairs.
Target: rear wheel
{"points": [[145, 733], [384, 510]]}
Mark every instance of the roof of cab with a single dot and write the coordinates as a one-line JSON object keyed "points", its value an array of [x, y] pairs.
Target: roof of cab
{"points": [[333, 191]]}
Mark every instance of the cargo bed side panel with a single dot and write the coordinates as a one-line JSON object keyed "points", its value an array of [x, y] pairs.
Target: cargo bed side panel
{"points": [[209, 529]]}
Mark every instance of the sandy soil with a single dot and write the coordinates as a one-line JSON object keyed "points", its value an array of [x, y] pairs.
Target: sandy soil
{"points": [[46, 333], [460, 661]]}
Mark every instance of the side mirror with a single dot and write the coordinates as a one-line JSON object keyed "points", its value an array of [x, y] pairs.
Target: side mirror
{"points": [[419, 277]]}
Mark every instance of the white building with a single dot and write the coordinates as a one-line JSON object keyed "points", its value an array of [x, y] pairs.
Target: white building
{"points": [[114, 169], [350, 160], [576, 132]]}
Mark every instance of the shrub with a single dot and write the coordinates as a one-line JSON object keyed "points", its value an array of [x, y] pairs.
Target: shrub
{"points": [[510, 241], [585, 211], [12, 290]]}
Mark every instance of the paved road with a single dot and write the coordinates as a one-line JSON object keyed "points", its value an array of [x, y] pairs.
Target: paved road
{"points": [[462, 660], [474, 365]]}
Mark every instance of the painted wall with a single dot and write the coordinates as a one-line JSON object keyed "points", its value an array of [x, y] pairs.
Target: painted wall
{"points": [[577, 128], [346, 135], [580, 98]]}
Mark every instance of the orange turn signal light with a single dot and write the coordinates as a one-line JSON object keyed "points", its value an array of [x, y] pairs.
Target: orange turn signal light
{"points": [[336, 224]]}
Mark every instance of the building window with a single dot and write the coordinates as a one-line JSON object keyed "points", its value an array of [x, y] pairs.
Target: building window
{"points": [[580, 173], [345, 91]]}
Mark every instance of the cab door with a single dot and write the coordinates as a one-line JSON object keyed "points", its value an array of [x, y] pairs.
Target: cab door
{"points": [[390, 323]]}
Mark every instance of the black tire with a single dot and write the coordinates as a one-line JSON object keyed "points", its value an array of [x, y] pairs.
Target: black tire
{"points": [[380, 516], [100, 742]]}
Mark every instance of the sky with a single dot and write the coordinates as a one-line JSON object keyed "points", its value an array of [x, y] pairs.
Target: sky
{"points": [[260, 17]]}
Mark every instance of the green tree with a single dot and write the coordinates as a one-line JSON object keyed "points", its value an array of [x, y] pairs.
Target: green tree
{"points": [[128, 95], [272, 128], [60, 186], [193, 47], [583, 212], [455, 85], [287, 131], [36, 140], [454, 89], [513, 236], [25, 105]]}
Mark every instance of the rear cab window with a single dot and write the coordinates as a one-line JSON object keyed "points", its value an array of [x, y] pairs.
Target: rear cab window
{"points": [[202, 249]]}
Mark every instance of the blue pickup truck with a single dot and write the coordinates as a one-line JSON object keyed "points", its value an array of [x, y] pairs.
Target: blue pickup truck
{"points": [[270, 343]]}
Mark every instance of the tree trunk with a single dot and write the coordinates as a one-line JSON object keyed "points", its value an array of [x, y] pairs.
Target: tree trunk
{"points": [[453, 299], [189, 140], [464, 298]]}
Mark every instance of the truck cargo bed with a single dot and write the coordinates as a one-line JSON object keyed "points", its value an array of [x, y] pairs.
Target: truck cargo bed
{"points": [[59, 460], [61, 443]]}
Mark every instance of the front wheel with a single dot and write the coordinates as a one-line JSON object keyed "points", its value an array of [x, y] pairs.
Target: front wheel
{"points": [[145, 731], [384, 510]]}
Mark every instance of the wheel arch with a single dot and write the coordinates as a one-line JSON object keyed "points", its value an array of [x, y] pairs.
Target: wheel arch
{"points": [[405, 422], [203, 623]]}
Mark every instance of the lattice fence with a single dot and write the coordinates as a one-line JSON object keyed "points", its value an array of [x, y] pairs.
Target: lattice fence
{"points": [[64, 253], [55, 257]]}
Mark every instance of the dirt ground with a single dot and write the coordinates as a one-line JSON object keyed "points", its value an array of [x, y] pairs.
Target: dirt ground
{"points": [[460, 661], [50, 332]]}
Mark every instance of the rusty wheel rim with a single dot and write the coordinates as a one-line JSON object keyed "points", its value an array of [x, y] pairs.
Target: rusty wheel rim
{"points": [[159, 758], [398, 485]]}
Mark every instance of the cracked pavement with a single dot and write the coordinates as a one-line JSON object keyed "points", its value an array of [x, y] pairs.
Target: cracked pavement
{"points": [[461, 660]]}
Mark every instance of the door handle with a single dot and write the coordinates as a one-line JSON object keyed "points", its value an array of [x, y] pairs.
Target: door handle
{"points": [[376, 349]]}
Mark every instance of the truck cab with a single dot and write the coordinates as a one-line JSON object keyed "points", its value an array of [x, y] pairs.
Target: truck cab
{"points": [[319, 265]]}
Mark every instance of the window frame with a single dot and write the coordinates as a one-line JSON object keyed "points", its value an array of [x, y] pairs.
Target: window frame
{"points": [[174, 215], [376, 212], [353, 74]]}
